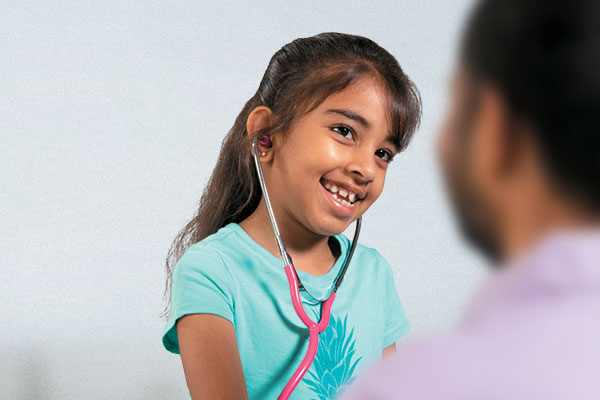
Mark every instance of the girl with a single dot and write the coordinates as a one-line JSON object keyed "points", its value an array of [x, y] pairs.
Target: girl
{"points": [[332, 110]]}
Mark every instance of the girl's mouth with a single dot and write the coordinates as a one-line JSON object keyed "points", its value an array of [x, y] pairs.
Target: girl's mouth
{"points": [[341, 194]]}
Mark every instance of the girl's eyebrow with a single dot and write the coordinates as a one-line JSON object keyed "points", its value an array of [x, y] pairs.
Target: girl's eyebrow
{"points": [[351, 115], [393, 139]]}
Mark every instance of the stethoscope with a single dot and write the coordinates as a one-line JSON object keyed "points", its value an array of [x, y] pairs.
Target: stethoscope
{"points": [[314, 328]]}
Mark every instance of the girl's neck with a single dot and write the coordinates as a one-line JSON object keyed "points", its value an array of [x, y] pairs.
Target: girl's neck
{"points": [[310, 252]]}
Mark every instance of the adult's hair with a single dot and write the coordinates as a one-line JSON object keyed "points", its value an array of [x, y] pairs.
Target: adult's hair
{"points": [[299, 77], [544, 58]]}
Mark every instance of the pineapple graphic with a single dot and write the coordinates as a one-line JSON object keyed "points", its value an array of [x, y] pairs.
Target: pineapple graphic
{"points": [[332, 370]]}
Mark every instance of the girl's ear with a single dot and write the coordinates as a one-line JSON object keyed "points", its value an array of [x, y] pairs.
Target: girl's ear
{"points": [[258, 119]]}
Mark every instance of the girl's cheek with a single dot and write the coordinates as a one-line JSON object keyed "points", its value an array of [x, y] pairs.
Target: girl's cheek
{"points": [[375, 192]]}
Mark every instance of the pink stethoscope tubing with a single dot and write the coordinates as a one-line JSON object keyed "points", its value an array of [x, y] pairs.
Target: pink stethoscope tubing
{"points": [[314, 329]]}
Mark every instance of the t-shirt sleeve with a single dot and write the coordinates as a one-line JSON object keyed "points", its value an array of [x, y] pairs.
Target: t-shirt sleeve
{"points": [[201, 284], [396, 322]]}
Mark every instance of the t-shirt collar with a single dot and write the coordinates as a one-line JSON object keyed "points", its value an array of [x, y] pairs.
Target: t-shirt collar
{"points": [[317, 288]]}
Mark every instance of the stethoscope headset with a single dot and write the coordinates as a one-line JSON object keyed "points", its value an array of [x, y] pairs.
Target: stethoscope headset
{"points": [[314, 328]]}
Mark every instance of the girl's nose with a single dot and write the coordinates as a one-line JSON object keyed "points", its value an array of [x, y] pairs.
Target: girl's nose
{"points": [[363, 165]]}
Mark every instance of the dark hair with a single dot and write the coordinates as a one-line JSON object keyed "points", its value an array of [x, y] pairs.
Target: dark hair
{"points": [[298, 78], [544, 58]]}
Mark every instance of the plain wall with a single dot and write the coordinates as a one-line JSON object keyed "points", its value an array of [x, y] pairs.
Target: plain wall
{"points": [[111, 119]]}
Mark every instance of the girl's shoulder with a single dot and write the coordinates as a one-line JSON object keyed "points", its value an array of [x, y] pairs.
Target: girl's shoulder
{"points": [[214, 247], [230, 246], [368, 257], [221, 239]]}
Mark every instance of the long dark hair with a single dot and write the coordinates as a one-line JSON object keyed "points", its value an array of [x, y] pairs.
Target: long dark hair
{"points": [[298, 78]]}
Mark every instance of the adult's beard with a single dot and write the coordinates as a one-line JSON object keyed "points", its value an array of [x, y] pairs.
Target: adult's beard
{"points": [[477, 222]]}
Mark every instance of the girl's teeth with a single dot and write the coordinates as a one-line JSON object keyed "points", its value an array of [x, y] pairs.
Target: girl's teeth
{"points": [[341, 201], [334, 190]]}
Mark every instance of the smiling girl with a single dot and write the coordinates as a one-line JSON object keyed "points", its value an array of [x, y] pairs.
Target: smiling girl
{"points": [[332, 111]]}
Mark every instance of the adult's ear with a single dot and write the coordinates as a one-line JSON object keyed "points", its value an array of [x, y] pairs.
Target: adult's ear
{"points": [[492, 142], [505, 143]]}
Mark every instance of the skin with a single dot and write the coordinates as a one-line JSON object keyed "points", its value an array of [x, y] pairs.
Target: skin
{"points": [[346, 139], [504, 197], [210, 357]]}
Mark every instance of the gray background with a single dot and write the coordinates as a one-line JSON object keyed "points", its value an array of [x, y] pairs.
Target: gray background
{"points": [[111, 116]]}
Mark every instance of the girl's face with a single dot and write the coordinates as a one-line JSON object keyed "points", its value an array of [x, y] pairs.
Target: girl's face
{"points": [[330, 166]]}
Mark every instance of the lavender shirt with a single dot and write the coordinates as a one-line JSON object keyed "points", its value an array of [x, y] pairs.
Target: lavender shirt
{"points": [[533, 333]]}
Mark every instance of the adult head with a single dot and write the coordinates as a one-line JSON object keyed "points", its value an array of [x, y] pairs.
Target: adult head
{"points": [[521, 144]]}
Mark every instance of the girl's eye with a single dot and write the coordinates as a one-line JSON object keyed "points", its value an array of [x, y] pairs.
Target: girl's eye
{"points": [[344, 131], [384, 155]]}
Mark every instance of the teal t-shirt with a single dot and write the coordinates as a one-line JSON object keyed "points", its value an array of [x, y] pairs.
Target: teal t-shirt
{"points": [[230, 275]]}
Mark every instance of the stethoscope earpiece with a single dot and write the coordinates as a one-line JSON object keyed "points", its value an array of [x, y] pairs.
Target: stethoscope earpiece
{"points": [[265, 141]]}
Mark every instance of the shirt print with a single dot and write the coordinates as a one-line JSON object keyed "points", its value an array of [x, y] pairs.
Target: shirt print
{"points": [[335, 362]]}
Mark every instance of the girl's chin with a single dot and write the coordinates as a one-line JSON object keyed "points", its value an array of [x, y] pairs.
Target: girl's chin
{"points": [[330, 228]]}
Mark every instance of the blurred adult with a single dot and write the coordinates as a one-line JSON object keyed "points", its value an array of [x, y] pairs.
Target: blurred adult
{"points": [[520, 151]]}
